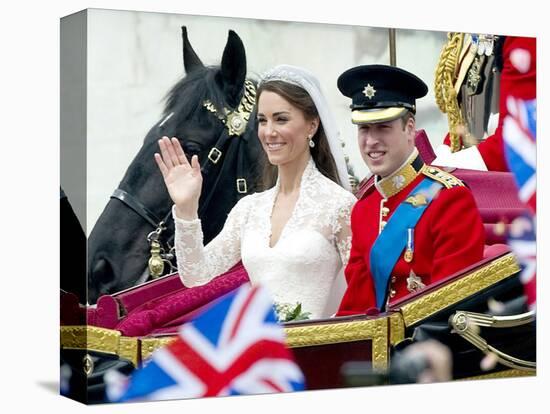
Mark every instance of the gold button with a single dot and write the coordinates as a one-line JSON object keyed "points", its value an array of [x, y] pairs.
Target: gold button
{"points": [[392, 293], [385, 211], [393, 279], [383, 224]]}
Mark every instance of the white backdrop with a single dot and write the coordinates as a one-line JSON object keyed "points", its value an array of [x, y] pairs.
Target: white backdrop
{"points": [[135, 57]]}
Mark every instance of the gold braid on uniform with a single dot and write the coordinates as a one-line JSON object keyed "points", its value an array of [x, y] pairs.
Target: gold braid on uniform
{"points": [[445, 94], [447, 179]]}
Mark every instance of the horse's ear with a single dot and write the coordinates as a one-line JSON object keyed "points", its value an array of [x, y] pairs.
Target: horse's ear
{"points": [[190, 59], [233, 67]]}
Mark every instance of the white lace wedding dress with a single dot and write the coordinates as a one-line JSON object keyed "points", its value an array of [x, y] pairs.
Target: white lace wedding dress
{"points": [[302, 267]]}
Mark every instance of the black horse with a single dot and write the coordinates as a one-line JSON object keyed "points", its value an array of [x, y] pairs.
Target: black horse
{"points": [[208, 110]]}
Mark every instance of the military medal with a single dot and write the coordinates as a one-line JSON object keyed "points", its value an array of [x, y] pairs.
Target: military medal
{"points": [[414, 282], [417, 200], [408, 256]]}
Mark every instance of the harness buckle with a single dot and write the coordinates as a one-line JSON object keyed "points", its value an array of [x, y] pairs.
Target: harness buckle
{"points": [[214, 155], [241, 186]]}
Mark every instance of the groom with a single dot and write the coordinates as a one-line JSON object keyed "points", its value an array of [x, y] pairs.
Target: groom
{"points": [[417, 224]]}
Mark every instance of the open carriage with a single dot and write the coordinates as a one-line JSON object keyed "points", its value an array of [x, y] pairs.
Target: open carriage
{"points": [[132, 323]]}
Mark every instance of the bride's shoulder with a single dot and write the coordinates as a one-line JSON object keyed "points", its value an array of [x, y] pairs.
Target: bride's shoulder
{"points": [[339, 194]]}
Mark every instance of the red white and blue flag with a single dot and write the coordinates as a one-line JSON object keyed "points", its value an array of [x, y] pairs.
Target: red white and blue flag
{"points": [[520, 149], [519, 137], [235, 347]]}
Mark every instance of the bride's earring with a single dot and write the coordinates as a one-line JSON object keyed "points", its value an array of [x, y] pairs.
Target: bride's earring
{"points": [[311, 143]]}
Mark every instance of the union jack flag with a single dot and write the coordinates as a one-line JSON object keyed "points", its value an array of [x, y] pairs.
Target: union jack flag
{"points": [[235, 347], [519, 137]]}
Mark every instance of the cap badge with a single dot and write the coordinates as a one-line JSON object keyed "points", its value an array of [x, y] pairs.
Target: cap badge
{"points": [[369, 91]]}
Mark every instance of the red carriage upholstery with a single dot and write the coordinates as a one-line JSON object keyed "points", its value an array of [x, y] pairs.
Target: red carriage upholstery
{"points": [[164, 310], [424, 146], [496, 198], [111, 309], [138, 311]]}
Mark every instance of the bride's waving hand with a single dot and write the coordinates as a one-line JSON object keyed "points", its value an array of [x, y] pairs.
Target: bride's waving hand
{"points": [[183, 180]]}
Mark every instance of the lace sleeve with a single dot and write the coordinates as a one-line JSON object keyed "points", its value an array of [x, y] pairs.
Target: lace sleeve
{"points": [[342, 229], [198, 264]]}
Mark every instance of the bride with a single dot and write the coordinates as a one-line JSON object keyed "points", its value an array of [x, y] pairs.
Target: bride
{"points": [[295, 237]]}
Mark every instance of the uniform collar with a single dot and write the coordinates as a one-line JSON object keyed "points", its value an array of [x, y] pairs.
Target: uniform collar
{"points": [[400, 178]]}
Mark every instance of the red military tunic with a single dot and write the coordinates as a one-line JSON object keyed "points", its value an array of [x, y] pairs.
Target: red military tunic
{"points": [[448, 237]]}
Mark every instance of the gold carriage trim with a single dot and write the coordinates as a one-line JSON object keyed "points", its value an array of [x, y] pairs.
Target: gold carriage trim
{"points": [[375, 330], [97, 339], [509, 373], [149, 345], [456, 291], [397, 329]]}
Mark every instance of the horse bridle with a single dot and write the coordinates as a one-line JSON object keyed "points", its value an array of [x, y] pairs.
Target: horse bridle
{"points": [[138, 207], [236, 122], [159, 255]]}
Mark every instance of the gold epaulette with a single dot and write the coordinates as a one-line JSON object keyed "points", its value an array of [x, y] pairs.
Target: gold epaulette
{"points": [[445, 178]]}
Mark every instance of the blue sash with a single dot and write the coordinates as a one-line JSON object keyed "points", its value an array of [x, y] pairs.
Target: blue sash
{"points": [[390, 243]]}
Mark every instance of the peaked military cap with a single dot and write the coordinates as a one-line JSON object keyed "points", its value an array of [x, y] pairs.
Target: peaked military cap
{"points": [[380, 93]]}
